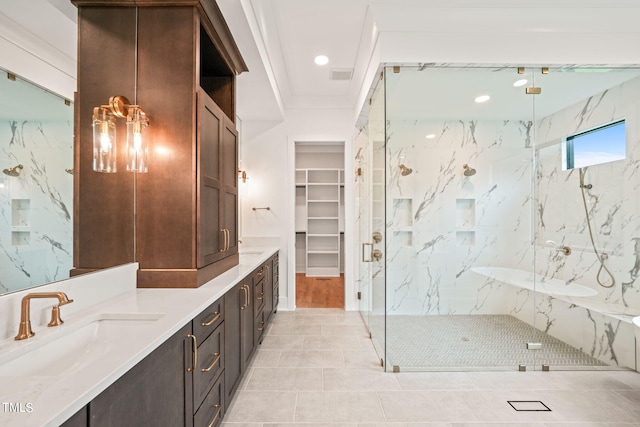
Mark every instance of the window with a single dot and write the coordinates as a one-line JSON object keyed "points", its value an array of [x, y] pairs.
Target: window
{"points": [[603, 144]]}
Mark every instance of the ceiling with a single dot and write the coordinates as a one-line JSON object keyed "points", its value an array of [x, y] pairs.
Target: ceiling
{"points": [[279, 39], [285, 36]]}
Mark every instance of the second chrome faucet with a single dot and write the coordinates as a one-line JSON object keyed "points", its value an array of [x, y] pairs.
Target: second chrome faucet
{"points": [[25, 330]]}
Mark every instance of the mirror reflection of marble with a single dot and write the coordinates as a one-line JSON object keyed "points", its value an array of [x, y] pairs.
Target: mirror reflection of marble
{"points": [[36, 185]]}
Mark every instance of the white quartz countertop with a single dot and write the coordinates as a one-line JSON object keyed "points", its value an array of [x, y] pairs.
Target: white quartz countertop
{"points": [[49, 400]]}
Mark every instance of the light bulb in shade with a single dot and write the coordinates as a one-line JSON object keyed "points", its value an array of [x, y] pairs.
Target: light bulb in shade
{"points": [[321, 60], [137, 144], [482, 98], [104, 141], [520, 82], [431, 136]]}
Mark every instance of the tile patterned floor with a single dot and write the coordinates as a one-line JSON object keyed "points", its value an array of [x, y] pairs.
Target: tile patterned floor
{"points": [[421, 342], [317, 368]]}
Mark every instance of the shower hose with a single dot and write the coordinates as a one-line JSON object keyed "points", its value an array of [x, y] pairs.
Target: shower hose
{"points": [[601, 257]]}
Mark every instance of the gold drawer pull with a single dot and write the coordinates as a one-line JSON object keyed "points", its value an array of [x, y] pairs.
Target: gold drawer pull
{"points": [[216, 360], [212, 321], [215, 417], [261, 297], [260, 272], [195, 352], [261, 328]]}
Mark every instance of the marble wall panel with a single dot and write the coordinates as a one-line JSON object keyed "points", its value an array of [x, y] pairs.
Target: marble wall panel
{"points": [[36, 207]]}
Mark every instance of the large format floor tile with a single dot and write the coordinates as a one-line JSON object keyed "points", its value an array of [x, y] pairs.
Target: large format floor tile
{"points": [[318, 368]]}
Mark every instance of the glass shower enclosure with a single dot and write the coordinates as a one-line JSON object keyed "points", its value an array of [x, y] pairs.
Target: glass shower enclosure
{"points": [[481, 245]]}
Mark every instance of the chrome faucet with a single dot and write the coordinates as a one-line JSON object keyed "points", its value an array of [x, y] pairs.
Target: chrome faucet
{"points": [[25, 331], [566, 250]]}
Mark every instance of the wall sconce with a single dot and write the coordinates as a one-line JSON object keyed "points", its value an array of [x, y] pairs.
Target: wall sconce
{"points": [[243, 184], [104, 136], [242, 176]]}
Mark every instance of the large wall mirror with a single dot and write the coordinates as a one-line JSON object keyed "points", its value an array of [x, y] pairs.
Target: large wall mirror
{"points": [[36, 185]]}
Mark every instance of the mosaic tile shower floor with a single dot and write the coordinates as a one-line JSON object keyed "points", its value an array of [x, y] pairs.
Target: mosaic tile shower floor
{"points": [[450, 341]]}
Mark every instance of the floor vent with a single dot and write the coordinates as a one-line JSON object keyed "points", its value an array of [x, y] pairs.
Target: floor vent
{"points": [[528, 405]]}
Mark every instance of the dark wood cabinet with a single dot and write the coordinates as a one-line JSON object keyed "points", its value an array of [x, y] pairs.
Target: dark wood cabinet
{"points": [[79, 419], [268, 290], [218, 183], [275, 280], [154, 392], [246, 325], [186, 204], [209, 362], [191, 378], [239, 345], [233, 308]]}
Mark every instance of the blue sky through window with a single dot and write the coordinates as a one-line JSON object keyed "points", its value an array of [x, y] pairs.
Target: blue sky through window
{"points": [[604, 144]]}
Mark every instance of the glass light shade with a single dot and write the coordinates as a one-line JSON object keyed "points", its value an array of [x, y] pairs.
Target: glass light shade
{"points": [[137, 142], [104, 142]]}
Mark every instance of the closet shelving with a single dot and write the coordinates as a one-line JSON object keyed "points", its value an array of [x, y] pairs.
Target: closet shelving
{"points": [[320, 218]]}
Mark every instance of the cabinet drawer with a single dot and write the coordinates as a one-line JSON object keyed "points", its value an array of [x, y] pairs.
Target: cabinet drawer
{"points": [[211, 411], [259, 327], [258, 274], [258, 293], [210, 364], [207, 321]]}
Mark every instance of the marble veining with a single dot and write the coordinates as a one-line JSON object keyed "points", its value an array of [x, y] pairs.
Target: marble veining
{"points": [[522, 197], [36, 223]]}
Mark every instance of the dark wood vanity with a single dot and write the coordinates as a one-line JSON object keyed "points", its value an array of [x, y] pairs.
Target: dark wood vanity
{"points": [[192, 377], [176, 59]]}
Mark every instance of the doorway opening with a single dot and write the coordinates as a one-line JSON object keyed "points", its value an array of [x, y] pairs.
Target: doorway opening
{"points": [[319, 224]]}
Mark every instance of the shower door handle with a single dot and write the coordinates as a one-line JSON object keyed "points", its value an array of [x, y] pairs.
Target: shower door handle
{"points": [[370, 252]]}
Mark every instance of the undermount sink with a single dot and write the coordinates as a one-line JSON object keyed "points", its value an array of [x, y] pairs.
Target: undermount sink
{"points": [[73, 346]]}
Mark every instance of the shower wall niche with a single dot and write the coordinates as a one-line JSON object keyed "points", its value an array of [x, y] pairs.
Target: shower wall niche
{"points": [[478, 266], [454, 221], [465, 222], [36, 206]]}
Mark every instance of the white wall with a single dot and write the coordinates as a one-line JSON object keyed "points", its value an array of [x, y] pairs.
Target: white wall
{"points": [[267, 153], [40, 47]]}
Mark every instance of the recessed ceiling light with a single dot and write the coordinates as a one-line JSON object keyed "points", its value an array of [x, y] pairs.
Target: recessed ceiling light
{"points": [[321, 60], [520, 82], [482, 98], [430, 136]]}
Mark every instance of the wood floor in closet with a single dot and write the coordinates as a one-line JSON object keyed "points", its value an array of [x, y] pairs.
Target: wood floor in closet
{"points": [[319, 292]]}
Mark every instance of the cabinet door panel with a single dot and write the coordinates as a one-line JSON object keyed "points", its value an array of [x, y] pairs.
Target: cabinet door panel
{"points": [[152, 393], [247, 325], [210, 238], [229, 178], [79, 419], [232, 343]]}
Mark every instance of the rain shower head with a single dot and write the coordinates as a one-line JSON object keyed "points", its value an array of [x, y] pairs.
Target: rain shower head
{"points": [[14, 171], [404, 171], [468, 170]]}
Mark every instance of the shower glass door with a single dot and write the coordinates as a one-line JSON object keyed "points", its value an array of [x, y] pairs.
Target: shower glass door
{"points": [[369, 161], [458, 180], [488, 242]]}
